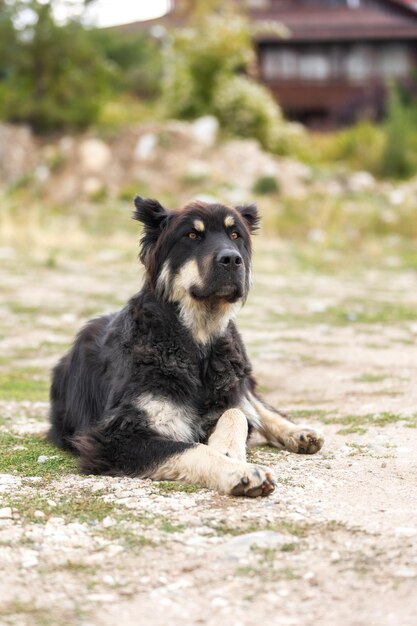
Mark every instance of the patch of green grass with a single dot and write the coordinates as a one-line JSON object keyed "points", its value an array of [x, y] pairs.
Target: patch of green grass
{"points": [[308, 413], [23, 384], [168, 527], [348, 312], [370, 378], [359, 423], [84, 506], [19, 455], [38, 616], [289, 547], [246, 571], [289, 574], [127, 537], [166, 487], [282, 526]]}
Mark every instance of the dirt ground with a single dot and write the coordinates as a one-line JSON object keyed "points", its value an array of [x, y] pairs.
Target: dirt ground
{"points": [[336, 543]]}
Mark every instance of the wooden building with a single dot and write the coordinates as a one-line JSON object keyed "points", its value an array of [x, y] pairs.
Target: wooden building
{"points": [[334, 65]]}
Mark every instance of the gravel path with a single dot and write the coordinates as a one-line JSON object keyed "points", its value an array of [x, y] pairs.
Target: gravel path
{"points": [[335, 544]]}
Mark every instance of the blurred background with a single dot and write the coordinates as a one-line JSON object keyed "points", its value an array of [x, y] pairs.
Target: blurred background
{"points": [[309, 107]]}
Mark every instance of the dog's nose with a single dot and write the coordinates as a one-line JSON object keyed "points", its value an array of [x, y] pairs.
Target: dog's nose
{"points": [[229, 259]]}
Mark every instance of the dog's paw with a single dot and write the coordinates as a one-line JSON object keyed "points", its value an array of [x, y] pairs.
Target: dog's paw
{"points": [[252, 481], [304, 440]]}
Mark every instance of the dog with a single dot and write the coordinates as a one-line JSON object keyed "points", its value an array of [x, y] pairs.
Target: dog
{"points": [[163, 389]]}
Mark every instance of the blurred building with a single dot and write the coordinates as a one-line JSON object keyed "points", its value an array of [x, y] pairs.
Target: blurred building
{"points": [[333, 65], [339, 55]]}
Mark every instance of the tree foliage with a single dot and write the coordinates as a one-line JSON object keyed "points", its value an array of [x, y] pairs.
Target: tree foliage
{"points": [[55, 75]]}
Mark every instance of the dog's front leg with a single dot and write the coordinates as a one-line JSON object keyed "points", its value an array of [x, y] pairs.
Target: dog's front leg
{"points": [[204, 465], [281, 432], [230, 435]]}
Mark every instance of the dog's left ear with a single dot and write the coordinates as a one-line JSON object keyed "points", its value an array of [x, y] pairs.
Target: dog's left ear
{"points": [[250, 214], [150, 213]]}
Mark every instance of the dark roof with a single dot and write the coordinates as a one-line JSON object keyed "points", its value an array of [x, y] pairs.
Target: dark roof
{"points": [[397, 19]]}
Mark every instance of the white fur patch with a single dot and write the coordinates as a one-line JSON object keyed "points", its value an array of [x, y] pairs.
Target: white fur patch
{"points": [[204, 323], [199, 225], [167, 418], [247, 407], [229, 220], [164, 280]]}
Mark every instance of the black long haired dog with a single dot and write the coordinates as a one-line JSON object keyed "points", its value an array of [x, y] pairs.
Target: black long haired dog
{"points": [[163, 388]]}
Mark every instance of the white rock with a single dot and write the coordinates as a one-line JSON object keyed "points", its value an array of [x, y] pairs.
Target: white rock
{"points": [[405, 531], [145, 147], [205, 130], [92, 185], [6, 512], [108, 521], [39, 514], [361, 181], [407, 572], [94, 155], [240, 546], [29, 559], [43, 458]]}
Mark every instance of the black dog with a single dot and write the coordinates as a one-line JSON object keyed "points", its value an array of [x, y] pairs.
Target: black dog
{"points": [[163, 388]]}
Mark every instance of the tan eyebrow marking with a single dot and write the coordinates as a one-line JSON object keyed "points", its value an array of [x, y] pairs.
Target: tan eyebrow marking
{"points": [[199, 225], [229, 220]]}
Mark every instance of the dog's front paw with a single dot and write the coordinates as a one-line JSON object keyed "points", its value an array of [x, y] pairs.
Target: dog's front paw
{"points": [[304, 440], [252, 481]]}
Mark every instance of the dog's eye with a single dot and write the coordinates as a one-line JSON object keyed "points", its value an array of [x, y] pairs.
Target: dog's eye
{"points": [[192, 235], [234, 235]]}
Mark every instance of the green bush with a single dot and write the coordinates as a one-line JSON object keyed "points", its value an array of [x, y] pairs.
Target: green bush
{"points": [[266, 185], [204, 75], [247, 109], [399, 158]]}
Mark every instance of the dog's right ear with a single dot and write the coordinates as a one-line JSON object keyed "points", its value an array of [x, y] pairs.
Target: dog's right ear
{"points": [[150, 213], [154, 218]]}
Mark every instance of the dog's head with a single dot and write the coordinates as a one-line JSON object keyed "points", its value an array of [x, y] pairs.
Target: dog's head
{"points": [[202, 252]]}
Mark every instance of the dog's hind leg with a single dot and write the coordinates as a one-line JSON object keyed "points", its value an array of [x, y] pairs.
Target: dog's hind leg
{"points": [[281, 432], [230, 435]]}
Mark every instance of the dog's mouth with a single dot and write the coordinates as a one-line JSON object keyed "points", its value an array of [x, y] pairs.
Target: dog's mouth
{"points": [[228, 293]]}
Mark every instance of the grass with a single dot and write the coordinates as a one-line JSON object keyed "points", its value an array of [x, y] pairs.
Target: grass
{"points": [[370, 378], [38, 616], [19, 455], [84, 506], [24, 384], [358, 423], [129, 538], [166, 487]]}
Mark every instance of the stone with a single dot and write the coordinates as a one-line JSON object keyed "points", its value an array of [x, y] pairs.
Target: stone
{"points": [[145, 147], [240, 546], [94, 155], [205, 130], [6, 512]]}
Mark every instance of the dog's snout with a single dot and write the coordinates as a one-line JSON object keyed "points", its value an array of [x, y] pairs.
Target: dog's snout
{"points": [[229, 259]]}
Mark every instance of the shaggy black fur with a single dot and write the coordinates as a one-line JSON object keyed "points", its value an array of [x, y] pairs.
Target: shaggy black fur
{"points": [[147, 348]]}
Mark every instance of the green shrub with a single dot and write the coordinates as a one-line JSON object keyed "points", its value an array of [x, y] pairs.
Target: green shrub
{"points": [[198, 58], [266, 185], [247, 109], [399, 158]]}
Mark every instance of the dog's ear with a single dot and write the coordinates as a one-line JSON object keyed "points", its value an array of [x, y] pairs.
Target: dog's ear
{"points": [[154, 218], [150, 213], [250, 214]]}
